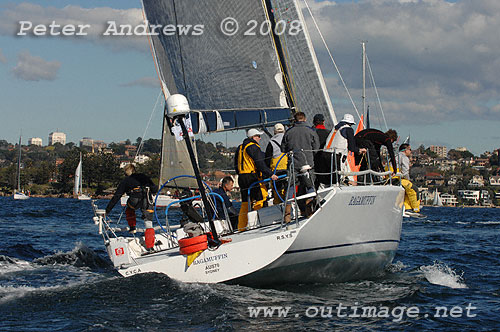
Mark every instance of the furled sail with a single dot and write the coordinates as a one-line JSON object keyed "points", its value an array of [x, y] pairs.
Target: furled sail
{"points": [[239, 75], [307, 83]]}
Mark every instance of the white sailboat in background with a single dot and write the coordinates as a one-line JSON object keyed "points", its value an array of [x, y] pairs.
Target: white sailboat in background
{"points": [[19, 194], [77, 191], [253, 82], [437, 199]]}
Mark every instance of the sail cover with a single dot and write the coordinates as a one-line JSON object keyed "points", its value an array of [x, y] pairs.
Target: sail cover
{"points": [[216, 71], [307, 84]]}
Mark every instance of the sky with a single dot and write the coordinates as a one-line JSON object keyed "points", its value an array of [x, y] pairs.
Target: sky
{"points": [[435, 64]]}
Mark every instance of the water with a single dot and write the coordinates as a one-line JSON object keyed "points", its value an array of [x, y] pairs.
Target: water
{"points": [[55, 276]]}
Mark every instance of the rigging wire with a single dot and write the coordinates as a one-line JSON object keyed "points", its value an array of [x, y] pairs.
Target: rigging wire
{"points": [[376, 92], [331, 57], [139, 148]]}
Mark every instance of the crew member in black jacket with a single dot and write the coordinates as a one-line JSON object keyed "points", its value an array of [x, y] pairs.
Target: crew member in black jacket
{"points": [[139, 189], [373, 139]]}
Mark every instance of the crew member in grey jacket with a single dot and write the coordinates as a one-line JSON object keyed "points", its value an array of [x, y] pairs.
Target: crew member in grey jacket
{"points": [[304, 142]]}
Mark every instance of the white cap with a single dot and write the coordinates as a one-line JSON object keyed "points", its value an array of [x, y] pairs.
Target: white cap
{"points": [[252, 132], [348, 118], [279, 128]]}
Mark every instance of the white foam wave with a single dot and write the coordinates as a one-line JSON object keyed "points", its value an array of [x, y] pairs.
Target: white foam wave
{"points": [[441, 274], [10, 264], [8, 293], [489, 222], [396, 267]]}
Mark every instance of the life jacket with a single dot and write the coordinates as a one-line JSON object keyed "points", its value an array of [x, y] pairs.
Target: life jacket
{"points": [[339, 143], [246, 164], [275, 160]]}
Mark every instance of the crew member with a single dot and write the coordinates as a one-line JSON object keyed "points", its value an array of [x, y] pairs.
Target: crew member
{"points": [[139, 189], [304, 142], [251, 168], [322, 159], [373, 139], [276, 159], [226, 186], [411, 191], [341, 140]]}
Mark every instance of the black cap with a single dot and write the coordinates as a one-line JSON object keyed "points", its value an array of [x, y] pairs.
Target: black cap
{"points": [[318, 118]]}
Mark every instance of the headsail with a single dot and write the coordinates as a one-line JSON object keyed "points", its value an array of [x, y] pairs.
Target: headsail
{"points": [[175, 160]]}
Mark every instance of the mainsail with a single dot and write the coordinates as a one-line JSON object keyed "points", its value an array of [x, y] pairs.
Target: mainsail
{"points": [[77, 190], [239, 76]]}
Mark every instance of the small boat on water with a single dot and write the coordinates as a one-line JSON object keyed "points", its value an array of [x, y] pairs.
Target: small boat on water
{"points": [[77, 190], [18, 193], [215, 82], [437, 199]]}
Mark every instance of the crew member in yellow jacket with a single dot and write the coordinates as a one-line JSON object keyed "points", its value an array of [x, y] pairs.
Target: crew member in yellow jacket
{"points": [[251, 168], [411, 191]]}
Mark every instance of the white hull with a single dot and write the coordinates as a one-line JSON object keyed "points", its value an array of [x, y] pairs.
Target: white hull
{"points": [[83, 197], [20, 196], [352, 236], [355, 234]]}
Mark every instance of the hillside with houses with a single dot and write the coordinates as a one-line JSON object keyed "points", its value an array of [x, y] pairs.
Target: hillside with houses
{"points": [[460, 178]]}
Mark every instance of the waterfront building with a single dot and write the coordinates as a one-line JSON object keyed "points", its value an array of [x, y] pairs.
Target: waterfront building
{"points": [[470, 195], [449, 199]]}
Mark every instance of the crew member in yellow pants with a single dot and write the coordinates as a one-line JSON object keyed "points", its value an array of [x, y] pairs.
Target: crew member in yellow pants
{"points": [[250, 166], [411, 196]]}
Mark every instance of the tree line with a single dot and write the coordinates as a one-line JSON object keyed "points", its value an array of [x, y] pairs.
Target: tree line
{"points": [[51, 170]]}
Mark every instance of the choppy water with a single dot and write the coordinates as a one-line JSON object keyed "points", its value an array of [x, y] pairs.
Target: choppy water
{"points": [[55, 276]]}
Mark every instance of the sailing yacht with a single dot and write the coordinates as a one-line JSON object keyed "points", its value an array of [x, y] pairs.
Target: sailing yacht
{"points": [[437, 199], [19, 194], [77, 191], [220, 81]]}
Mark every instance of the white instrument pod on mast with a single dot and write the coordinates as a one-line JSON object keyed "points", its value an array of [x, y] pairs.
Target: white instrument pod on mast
{"points": [[177, 105]]}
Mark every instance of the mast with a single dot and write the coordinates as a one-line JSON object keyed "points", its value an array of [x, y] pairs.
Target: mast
{"points": [[363, 97], [194, 163]]}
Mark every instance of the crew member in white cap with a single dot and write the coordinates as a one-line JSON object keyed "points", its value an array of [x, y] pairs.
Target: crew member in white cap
{"points": [[250, 166], [342, 138]]}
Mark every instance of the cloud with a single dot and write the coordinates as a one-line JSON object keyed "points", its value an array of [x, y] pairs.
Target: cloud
{"points": [[3, 59], [34, 68], [432, 60], [96, 18], [149, 82]]}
